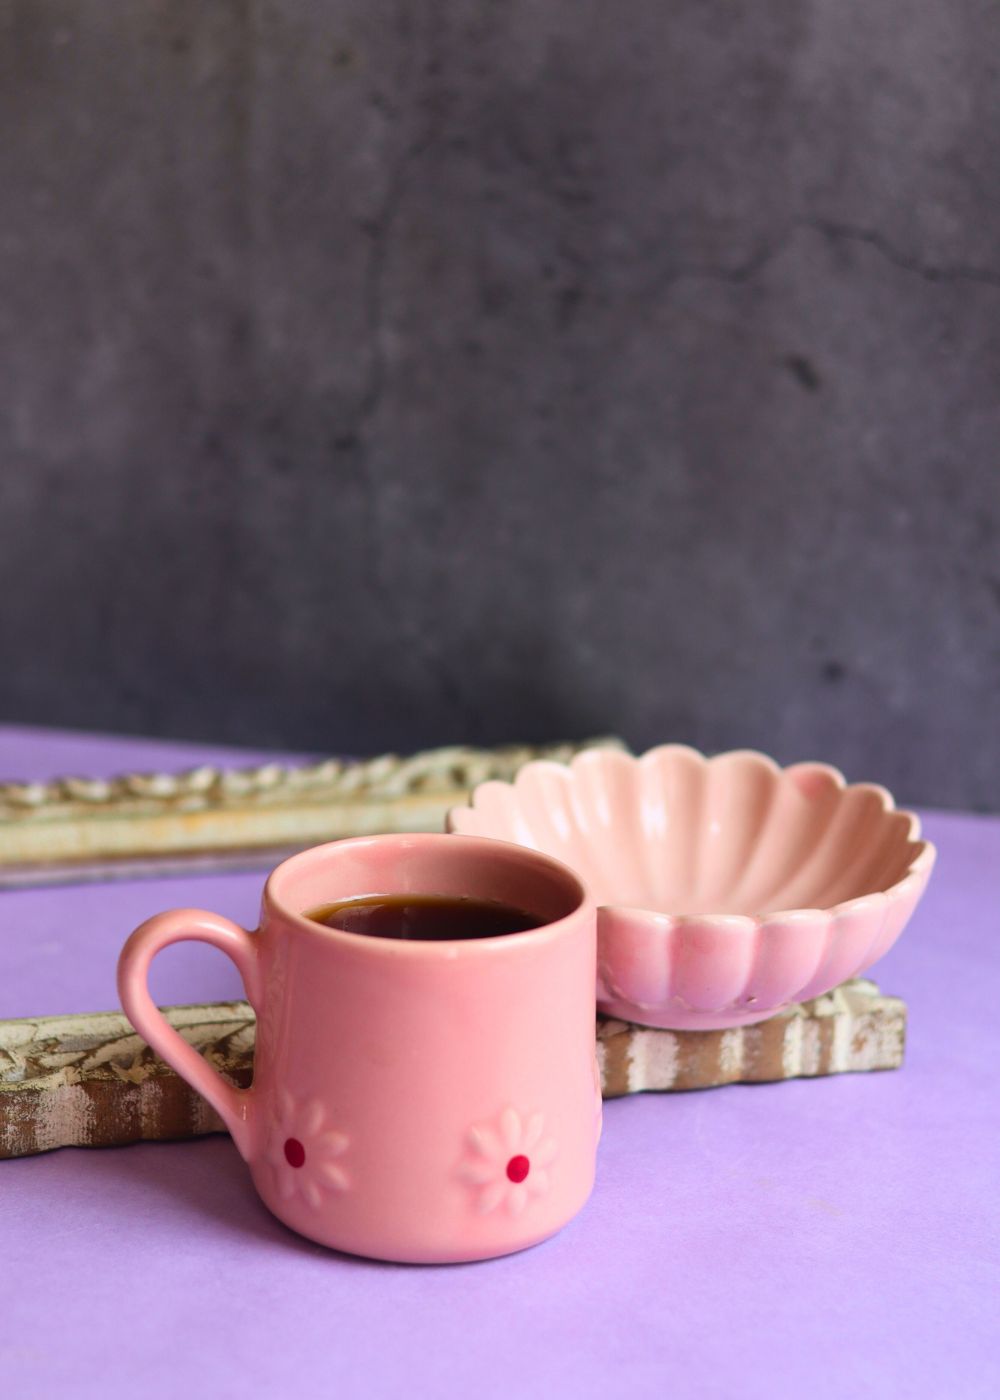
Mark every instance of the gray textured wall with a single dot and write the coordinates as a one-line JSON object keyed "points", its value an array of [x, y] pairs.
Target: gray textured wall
{"points": [[381, 374]]}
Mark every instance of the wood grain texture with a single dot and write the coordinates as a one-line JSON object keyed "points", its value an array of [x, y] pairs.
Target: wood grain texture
{"points": [[90, 1081], [852, 1028]]}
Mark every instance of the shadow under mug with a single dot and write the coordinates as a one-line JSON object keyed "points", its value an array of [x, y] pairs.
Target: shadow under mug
{"points": [[425, 1102]]}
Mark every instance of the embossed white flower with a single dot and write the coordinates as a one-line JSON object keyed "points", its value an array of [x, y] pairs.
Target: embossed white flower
{"points": [[302, 1149], [506, 1161]]}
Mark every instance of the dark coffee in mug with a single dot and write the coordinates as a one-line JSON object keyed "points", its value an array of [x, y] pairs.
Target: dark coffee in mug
{"points": [[424, 918]]}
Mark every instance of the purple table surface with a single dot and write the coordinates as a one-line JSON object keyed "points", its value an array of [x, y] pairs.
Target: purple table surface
{"points": [[826, 1238]]}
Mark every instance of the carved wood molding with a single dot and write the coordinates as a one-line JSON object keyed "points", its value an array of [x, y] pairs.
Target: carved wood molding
{"points": [[90, 1081], [446, 770], [155, 822]]}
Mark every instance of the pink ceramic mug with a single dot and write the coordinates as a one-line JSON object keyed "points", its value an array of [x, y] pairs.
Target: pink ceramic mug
{"points": [[419, 1101]]}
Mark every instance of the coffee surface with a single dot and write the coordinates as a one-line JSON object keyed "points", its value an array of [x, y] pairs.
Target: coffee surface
{"points": [[424, 918]]}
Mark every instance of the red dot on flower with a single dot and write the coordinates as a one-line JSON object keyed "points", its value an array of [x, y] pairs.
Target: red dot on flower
{"points": [[295, 1153], [518, 1168]]}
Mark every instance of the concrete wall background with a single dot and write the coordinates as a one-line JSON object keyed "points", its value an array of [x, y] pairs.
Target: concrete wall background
{"points": [[377, 374]]}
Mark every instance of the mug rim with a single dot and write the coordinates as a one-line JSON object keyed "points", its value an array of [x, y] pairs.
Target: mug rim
{"points": [[449, 948]]}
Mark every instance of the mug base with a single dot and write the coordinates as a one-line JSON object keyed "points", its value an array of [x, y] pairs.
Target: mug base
{"points": [[412, 1253]]}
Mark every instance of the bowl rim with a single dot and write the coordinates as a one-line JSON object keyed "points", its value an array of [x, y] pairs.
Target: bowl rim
{"points": [[916, 873]]}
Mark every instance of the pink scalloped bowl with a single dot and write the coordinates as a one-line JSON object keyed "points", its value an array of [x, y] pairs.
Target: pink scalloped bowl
{"points": [[728, 887]]}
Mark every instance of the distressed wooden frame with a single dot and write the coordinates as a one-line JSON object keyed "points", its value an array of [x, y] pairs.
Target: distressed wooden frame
{"points": [[74, 829], [90, 1081]]}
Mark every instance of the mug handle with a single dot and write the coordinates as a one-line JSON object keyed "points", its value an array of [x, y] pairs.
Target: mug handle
{"points": [[177, 926]]}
